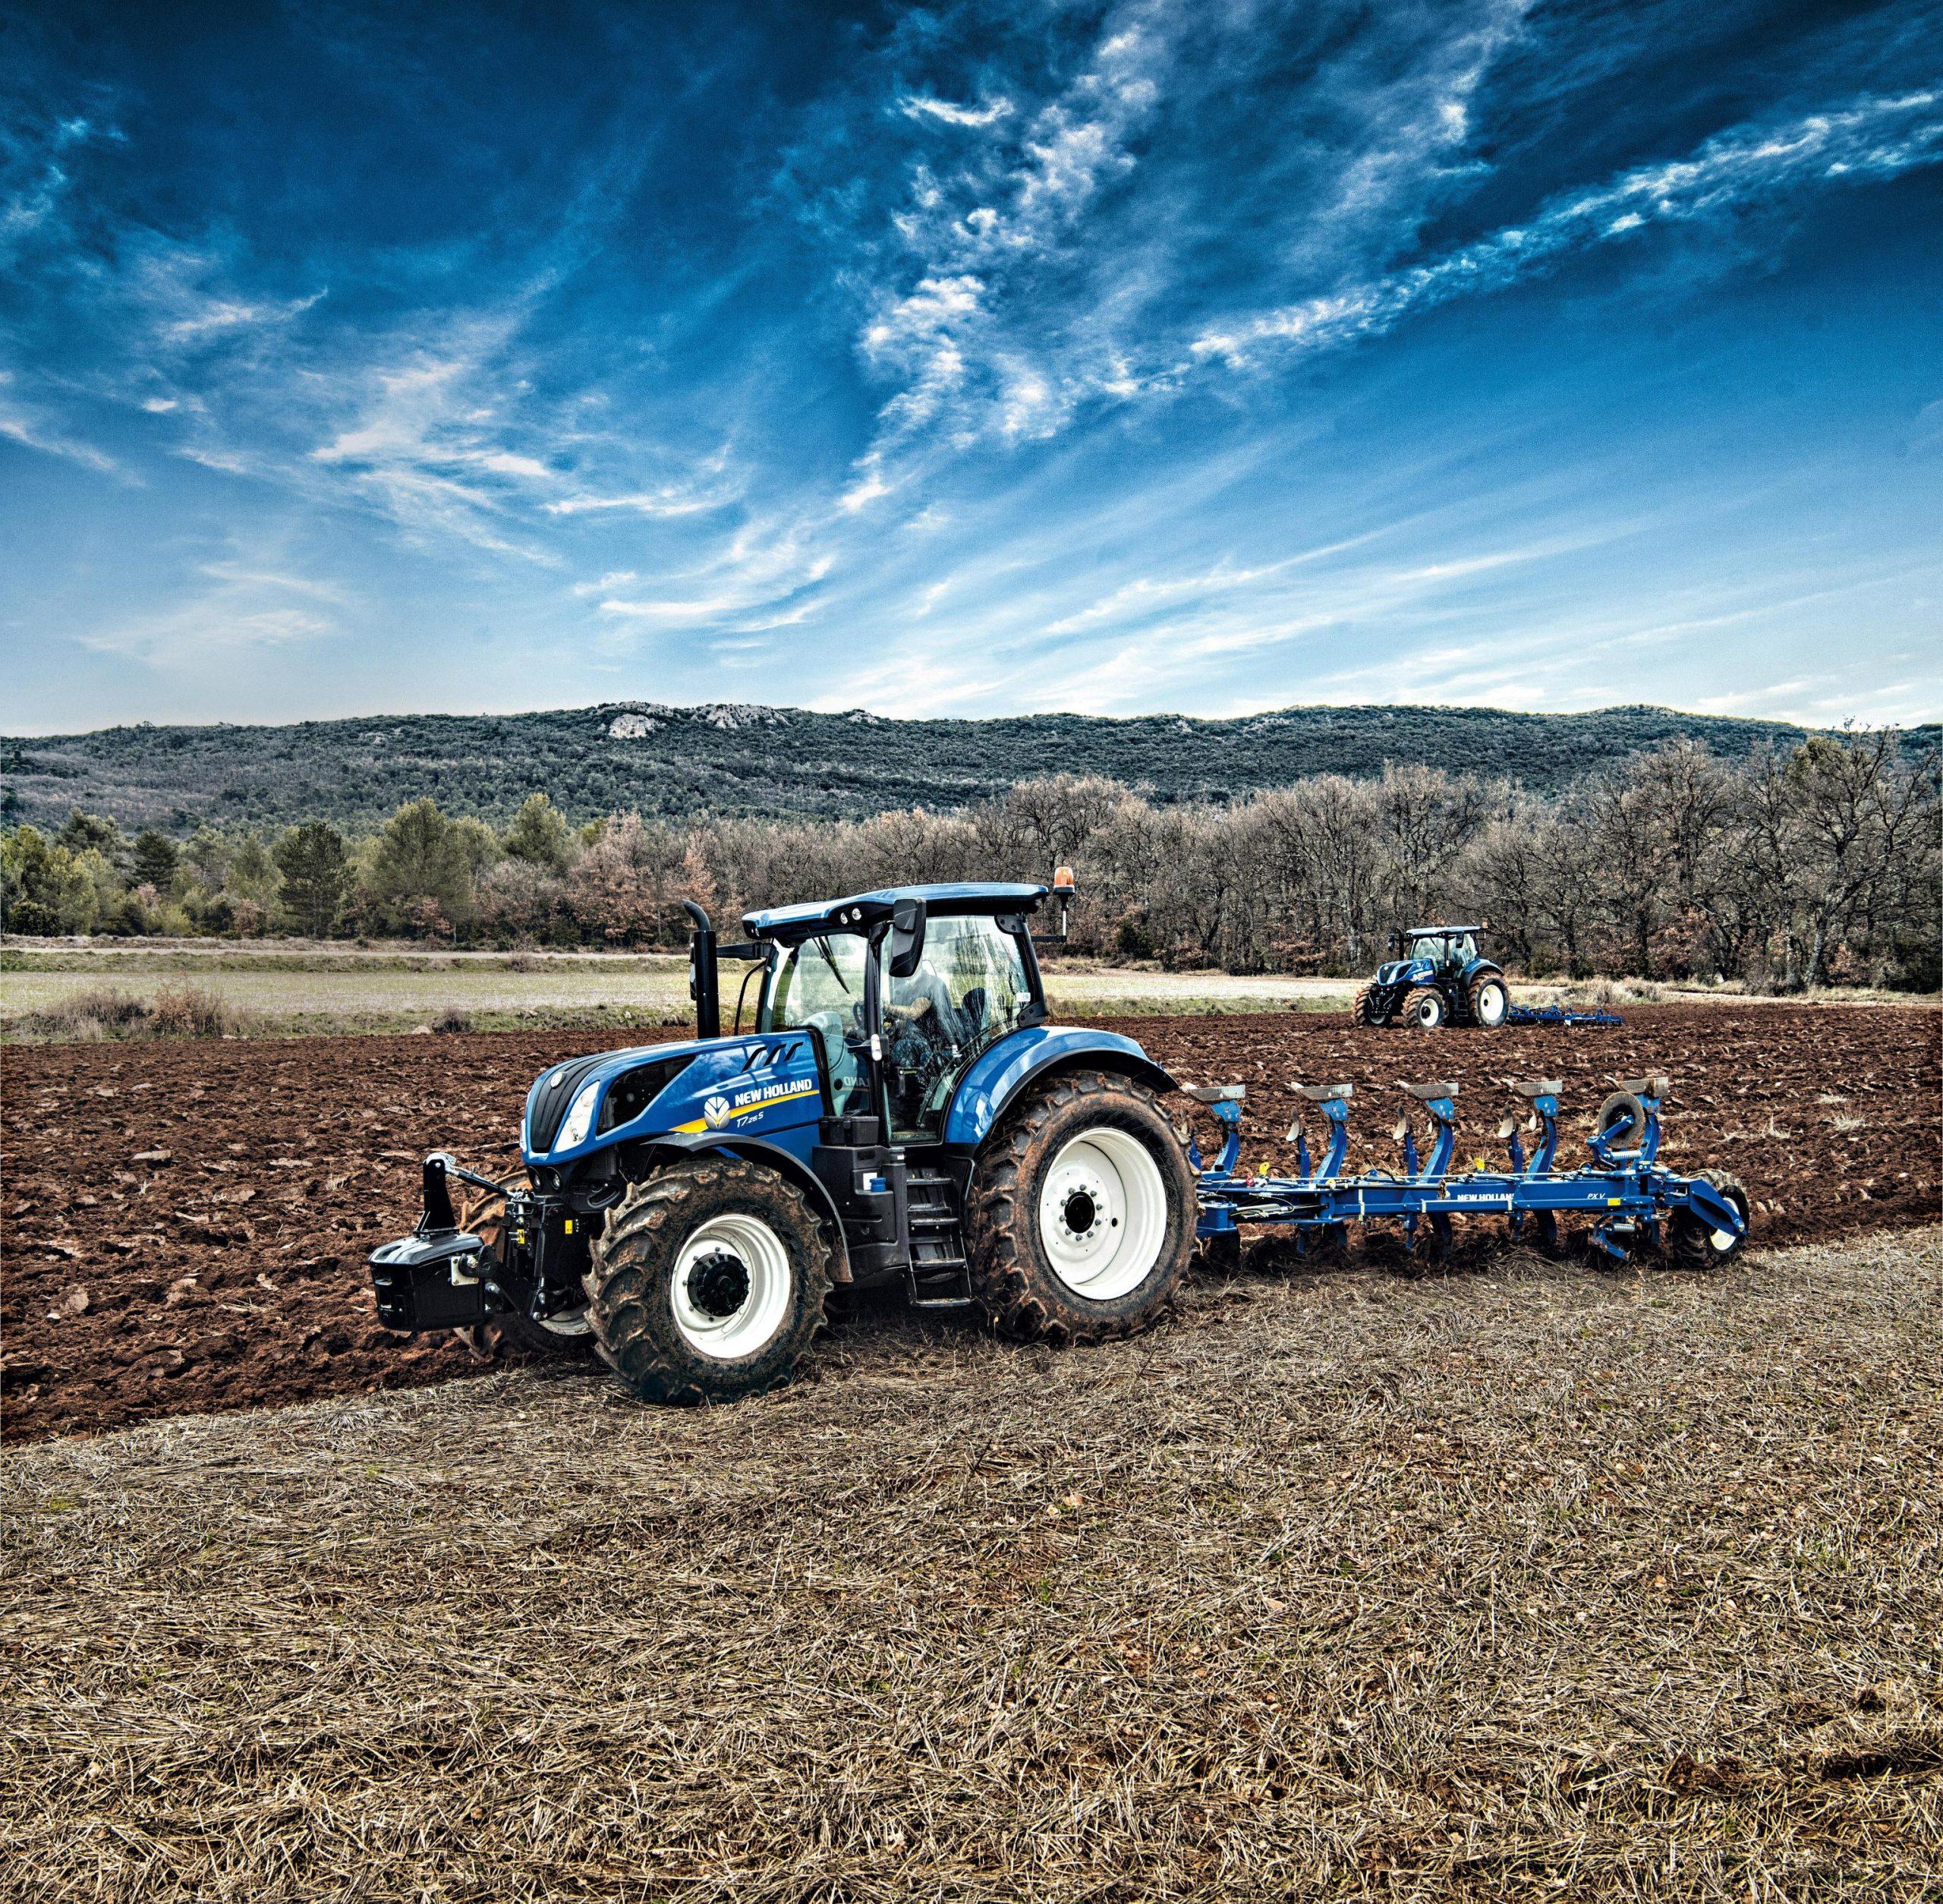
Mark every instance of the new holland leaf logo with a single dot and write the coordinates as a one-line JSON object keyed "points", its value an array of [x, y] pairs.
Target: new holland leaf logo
{"points": [[726, 1108]]}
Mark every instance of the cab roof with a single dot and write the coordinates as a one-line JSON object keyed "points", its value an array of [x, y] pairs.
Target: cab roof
{"points": [[861, 910], [1437, 931]]}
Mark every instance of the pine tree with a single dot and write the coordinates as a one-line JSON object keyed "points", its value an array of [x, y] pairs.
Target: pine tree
{"points": [[316, 874], [421, 856], [156, 859], [539, 834]]}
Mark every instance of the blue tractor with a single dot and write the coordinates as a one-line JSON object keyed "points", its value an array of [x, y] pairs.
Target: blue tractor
{"points": [[898, 1110], [1437, 978]]}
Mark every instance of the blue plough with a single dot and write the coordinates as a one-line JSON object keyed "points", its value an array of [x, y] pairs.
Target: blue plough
{"points": [[1560, 1015], [1638, 1204]]}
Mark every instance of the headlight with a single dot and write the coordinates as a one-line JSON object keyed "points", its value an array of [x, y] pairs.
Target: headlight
{"points": [[580, 1119]]}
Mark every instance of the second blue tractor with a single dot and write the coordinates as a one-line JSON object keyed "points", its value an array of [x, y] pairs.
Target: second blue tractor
{"points": [[1440, 977]]}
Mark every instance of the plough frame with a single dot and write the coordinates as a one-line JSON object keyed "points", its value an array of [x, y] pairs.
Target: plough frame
{"points": [[1628, 1191]]}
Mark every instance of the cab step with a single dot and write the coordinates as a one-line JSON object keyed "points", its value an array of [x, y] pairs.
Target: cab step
{"points": [[938, 1276]]}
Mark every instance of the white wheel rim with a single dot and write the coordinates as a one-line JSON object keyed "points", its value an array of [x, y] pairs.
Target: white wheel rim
{"points": [[765, 1263], [1430, 1014], [1103, 1214], [576, 1322], [1491, 1004]]}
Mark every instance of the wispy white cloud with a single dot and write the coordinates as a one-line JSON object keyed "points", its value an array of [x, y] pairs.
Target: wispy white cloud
{"points": [[917, 106], [33, 430], [36, 175], [233, 608], [668, 502], [763, 577], [424, 438], [952, 332], [1751, 165], [221, 316]]}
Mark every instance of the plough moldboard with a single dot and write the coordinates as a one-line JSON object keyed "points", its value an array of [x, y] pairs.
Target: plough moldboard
{"points": [[1636, 1203]]}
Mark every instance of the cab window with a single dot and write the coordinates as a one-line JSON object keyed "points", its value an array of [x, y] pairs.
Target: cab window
{"points": [[818, 987], [971, 987]]}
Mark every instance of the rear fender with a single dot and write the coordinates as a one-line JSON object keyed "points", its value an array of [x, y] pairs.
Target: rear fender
{"points": [[997, 1077]]}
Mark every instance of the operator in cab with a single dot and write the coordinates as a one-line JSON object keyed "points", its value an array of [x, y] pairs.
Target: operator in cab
{"points": [[922, 1003], [925, 1032]]}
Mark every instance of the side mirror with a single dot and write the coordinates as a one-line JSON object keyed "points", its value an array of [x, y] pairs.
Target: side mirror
{"points": [[907, 936]]}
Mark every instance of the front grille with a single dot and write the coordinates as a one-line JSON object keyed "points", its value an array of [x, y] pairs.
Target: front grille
{"points": [[546, 1110]]}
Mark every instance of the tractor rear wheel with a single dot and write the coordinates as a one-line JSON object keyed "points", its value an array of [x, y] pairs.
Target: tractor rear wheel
{"points": [[1692, 1243], [1426, 1008], [1082, 1214], [708, 1282], [1490, 1000]]}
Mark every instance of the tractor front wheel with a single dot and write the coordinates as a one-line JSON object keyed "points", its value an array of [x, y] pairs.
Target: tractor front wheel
{"points": [[1426, 1008], [1082, 1213], [708, 1282], [1365, 1010]]}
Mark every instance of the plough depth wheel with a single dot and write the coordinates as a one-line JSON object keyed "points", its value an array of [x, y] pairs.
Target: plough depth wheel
{"points": [[1692, 1242]]}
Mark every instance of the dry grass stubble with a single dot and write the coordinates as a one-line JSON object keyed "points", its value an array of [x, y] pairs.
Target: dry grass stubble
{"points": [[1528, 1582]]}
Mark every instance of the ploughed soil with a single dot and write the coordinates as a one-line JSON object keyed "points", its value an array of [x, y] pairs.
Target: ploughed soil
{"points": [[184, 1226]]}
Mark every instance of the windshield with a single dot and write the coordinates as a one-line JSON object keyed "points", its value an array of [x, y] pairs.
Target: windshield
{"points": [[818, 986], [970, 988]]}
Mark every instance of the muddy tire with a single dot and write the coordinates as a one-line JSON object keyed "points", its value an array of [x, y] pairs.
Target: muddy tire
{"points": [[1081, 1215], [709, 1282], [1490, 1001], [1363, 1011], [1692, 1242], [1426, 1008]]}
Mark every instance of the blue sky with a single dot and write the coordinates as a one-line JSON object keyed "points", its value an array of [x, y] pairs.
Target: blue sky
{"points": [[1204, 355]]}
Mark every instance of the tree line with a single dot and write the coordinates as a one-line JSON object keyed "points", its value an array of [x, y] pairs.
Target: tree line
{"points": [[1813, 865]]}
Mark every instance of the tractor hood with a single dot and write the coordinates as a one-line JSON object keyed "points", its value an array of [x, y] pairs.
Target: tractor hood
{"points": [[1403, 971], [747, 1082]]}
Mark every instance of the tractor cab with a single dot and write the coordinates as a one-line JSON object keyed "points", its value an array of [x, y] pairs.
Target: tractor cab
{"points": [[903, 991], [1449, 948], [1431, 952]]}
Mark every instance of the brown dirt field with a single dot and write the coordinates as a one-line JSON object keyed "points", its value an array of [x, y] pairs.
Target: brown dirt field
{"points": [[185, 1224]]}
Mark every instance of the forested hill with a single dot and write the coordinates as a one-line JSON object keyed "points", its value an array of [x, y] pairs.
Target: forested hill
{"points": [[733, 759]]}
